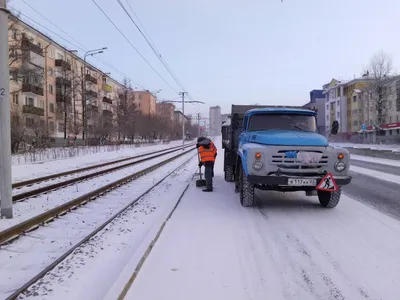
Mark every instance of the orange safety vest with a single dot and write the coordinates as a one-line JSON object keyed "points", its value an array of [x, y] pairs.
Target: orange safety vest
{"points": [[207, 154]]}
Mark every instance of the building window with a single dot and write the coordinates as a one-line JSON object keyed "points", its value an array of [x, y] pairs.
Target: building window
{"points": [[370, 122], [42, 123], [354, 98], [327, 106], [15, 98], [327, 118], [355, 122], [390, 119], [51, 126], [354, 112], [360, 111], [51, 89], [51, 53], [60, 127], [51, 72], [42, 104], [51, 107], [338, 103], [29, 122], [338, 115], [14, 34], [29, 101]]}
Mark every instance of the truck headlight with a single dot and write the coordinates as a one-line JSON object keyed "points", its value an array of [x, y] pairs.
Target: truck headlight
{"points": [[340, 166], [257, 165]]}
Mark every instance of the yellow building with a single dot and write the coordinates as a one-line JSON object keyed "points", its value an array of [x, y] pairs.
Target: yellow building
{"points": [[46, 86]]}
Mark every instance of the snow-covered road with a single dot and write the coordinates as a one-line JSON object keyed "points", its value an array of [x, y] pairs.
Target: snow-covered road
{"points": [[287, 248]]}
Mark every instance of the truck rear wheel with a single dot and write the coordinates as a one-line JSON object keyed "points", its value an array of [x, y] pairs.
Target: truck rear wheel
{"points": [[246, 190], [229, 177], [329, 199]]}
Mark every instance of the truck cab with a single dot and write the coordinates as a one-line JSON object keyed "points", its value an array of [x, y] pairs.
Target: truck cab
{"points": [[279, 148]]}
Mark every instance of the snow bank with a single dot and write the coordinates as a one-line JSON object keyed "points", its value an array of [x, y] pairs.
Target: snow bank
{"points": [[376, 160], [395, 148], [28, 171]]}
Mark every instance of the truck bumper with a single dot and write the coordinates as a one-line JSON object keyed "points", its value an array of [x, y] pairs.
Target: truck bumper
{"points": [[283, 180]]}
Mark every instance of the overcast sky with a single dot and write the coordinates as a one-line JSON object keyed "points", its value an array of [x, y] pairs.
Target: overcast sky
{"points": [[231, 51]]}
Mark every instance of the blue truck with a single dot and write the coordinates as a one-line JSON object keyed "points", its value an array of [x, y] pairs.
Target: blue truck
{"points": [[278, 148]]}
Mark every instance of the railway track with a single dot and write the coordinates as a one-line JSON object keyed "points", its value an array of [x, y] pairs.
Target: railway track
{"points": [[11, 234], [47, 188]]}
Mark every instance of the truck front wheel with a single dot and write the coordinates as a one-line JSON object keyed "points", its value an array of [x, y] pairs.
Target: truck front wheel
{"points": [[246, 190], [229, 175], [329, 199]]}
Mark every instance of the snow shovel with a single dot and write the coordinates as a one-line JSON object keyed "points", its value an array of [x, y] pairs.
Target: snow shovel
{"points": [[200, 182]]}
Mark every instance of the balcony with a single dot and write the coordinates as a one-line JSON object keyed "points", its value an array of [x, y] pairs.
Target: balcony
{"points": [[90, 78], [30, 88], [107, 100], [61, 98], [107, 113], [93, 108], [33, 110], [91, 94], [61, 81], [27, 45], [107, 88], [63, 64], [121, 96]]}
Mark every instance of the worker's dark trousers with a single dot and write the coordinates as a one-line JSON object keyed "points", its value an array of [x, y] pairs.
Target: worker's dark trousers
{"points": [[208, 173]]}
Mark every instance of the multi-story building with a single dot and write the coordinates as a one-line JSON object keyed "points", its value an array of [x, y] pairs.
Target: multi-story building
{"points": [[335, 105], [215, 120], [317, 102], [179, 117], [165, 111], [47, 82], [145, 102]]}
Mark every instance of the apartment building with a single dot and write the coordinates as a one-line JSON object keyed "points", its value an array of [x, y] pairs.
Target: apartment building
{"points": [[47, 82], [317, 103], [335, 105], [179, 117], [145, 102], [165, 111], [215, 120]]}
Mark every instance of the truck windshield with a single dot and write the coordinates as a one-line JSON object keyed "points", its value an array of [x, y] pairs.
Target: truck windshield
{"points": [[282, 122]]}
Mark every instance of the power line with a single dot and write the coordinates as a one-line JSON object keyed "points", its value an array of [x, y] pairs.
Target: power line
{"points": [[151, 43], [130, 43], [83, 48]]}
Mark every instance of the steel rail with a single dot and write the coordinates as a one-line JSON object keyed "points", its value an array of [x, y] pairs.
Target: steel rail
{"points": [[66, 173], [15, 231], [84, 199], [58, 185]]}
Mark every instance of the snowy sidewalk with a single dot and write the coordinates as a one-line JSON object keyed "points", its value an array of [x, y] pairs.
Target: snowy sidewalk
{"points": [[288, 248]]}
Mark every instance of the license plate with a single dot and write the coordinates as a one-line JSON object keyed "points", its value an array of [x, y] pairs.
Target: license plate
{"points": [[302, 182]]}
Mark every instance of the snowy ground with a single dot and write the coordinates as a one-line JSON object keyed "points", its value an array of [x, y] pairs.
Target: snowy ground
{"points": [[32, 170], [107, 253], [287, 248], [395, 148], [32, 207], [212, 248]]}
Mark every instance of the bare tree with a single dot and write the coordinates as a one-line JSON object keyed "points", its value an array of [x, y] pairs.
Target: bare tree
{"points": [[379, 72], [68, 89]]}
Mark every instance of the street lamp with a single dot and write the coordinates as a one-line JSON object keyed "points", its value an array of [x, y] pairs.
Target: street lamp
{"points": [[87, 53]]}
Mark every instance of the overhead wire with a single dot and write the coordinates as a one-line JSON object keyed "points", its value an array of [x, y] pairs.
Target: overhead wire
{"points": [[151, 43], [81, 47], [130, 43]]}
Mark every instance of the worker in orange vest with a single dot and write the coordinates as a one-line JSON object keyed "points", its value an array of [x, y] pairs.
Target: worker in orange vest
{"points": [[208, 153]]}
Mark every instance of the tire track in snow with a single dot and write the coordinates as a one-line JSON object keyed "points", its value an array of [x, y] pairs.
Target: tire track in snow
{"points": [[311, 252]]}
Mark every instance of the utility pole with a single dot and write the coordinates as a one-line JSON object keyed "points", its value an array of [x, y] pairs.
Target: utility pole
{"points": [[5, 122], [183, 112], [183, 121]]}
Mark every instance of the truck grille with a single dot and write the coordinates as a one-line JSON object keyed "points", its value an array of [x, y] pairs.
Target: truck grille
{"points": [[293, 164]]}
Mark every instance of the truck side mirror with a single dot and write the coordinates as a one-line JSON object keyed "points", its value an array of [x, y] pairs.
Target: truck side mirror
{"points": [[335, 127]]}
